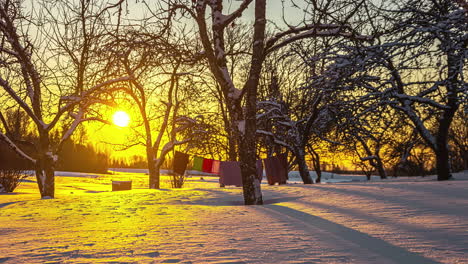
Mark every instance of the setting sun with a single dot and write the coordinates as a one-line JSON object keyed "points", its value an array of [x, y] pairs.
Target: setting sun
{"points": [[121, 119]]}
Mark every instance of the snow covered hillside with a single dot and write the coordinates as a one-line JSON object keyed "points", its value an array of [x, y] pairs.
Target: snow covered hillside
{"points": [[403, 220]]}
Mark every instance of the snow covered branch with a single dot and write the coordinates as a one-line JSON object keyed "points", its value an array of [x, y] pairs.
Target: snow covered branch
{"points": [[14, 147], [72, 101], [422, 100], [310, 31], [368, 158], [6, 86], [237, 13], [275, 139]]}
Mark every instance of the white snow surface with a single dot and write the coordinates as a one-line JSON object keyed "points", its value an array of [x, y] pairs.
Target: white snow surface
{"points": [[399, 220]]}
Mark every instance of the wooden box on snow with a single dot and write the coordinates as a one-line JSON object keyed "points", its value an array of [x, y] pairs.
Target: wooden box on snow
{"points": [[121, 185]]}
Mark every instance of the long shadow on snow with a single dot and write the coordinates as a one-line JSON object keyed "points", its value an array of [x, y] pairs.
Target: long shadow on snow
{"points": [[234, 200], [448, 238], [378, 246], [6, 204], [84, 189], [434, 189], [423, 206], [4, 259]]}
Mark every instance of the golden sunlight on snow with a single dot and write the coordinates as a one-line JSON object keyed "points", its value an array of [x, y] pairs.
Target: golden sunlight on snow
{"points": [[121, 119], [399, 220]]}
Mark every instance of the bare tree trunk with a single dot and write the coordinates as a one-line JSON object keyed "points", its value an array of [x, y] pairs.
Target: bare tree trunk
{"points": [[316, 164], [251, 184], [232, 153], [152, 171], [443, 163], [45, 176], [232, 138], [442, 150], [39, 177], [247, 153], [45, 166], [374, 158], [368, 175], [49, 186], [443, 167], [302, 165], [154, 178], [380, 168]]}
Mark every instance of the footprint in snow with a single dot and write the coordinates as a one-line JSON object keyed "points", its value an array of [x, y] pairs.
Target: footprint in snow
{"points": [[233, 250], [151, 254], [171, 261]]}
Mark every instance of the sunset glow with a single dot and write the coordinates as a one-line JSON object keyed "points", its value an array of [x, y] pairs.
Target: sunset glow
{"points": [[121, 119]]}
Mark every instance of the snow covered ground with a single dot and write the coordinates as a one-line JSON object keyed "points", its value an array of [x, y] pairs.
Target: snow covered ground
{"points": [[402, 220]]}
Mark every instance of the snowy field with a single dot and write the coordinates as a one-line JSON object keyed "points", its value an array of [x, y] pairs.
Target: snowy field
{"points": [[347, 220]]}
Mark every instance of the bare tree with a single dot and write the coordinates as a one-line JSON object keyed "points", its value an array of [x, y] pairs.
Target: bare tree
{"points": [[417, 68], [52, 70], [368, 133], [295, 112], [242, 119], [162, 81], [458, 140], [290, 132]]}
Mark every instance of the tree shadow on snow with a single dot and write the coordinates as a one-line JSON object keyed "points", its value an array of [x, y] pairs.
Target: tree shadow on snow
{"points": [[450, 238], [425, 205], [223, 198], [6, 204], [4, 259], [375, 245]]}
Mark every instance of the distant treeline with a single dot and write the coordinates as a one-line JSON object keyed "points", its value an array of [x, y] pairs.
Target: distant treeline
{"points": [[72, 157], [82, 158], [135, 162], [75, 155]]}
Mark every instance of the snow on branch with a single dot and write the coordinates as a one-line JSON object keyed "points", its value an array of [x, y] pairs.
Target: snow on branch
{"points": [[13, 146], [275, 139], [288, 123], [421, 100], [74, 100], [368, 158], [169, 146], [312, 30], [78, 119], [418, 123], [184, 122], [6, 86], [231, 17]]}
